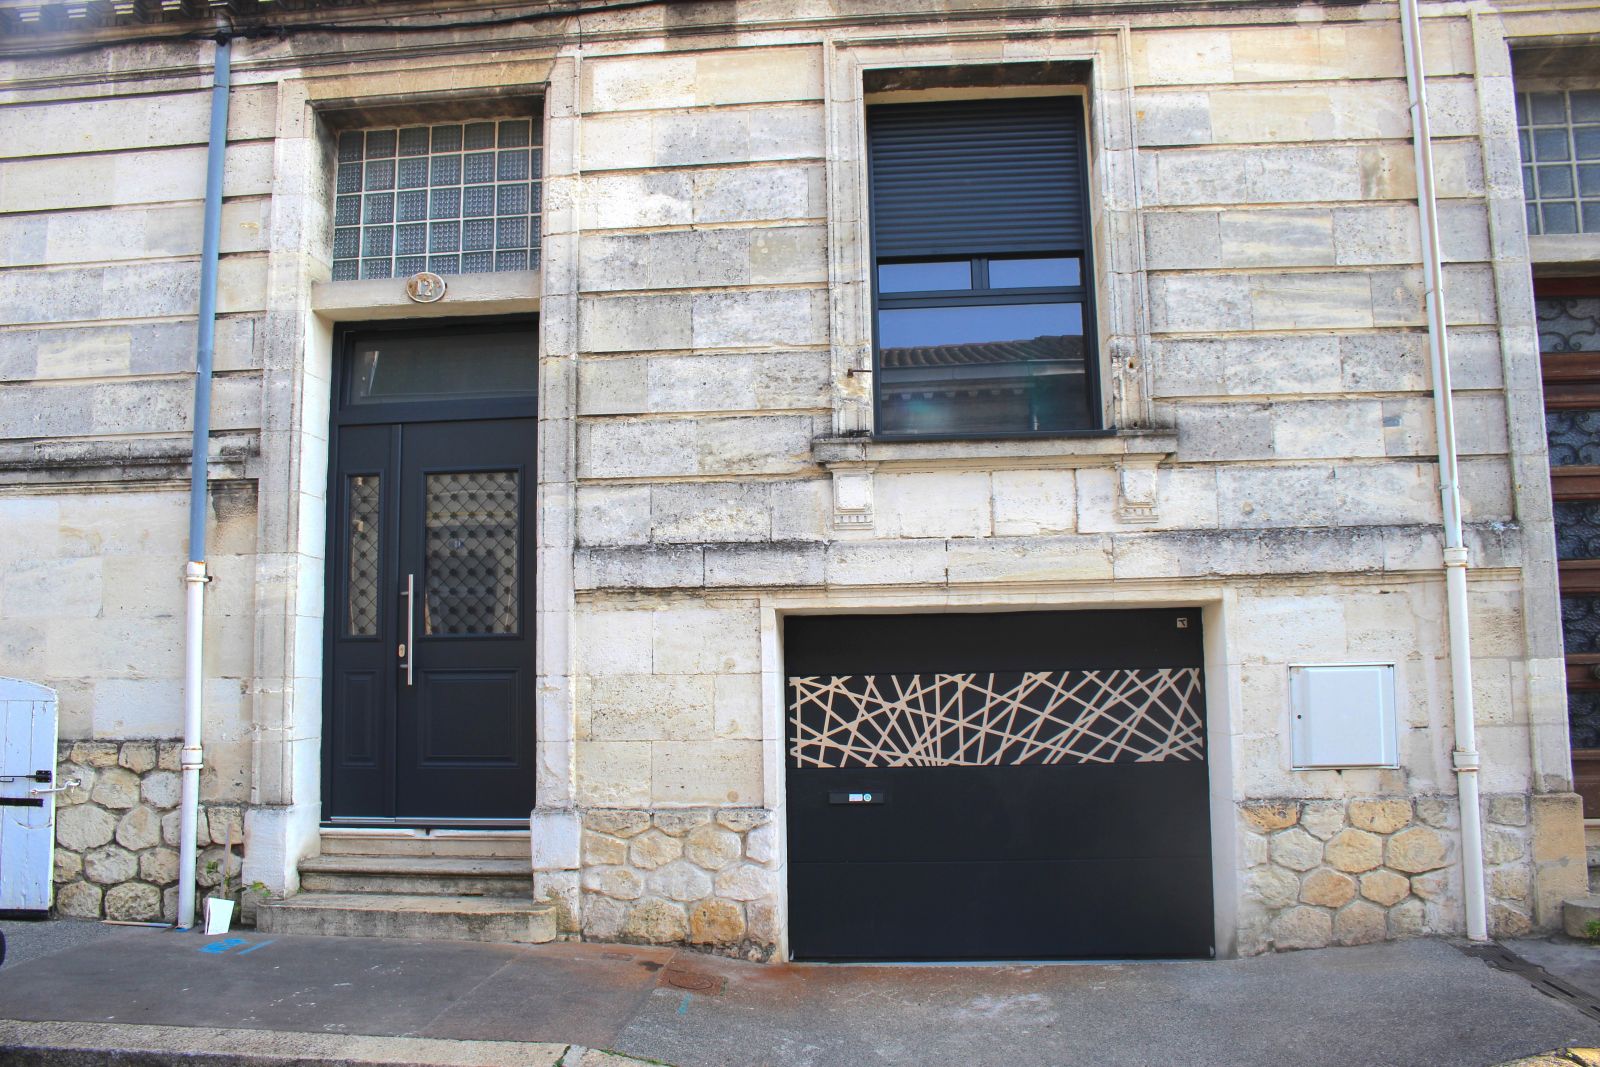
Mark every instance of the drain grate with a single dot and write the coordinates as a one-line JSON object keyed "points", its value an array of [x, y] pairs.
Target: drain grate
{"points": [[1503, 959]]}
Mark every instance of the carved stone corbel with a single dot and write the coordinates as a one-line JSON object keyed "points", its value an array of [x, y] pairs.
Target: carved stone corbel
{"points": [[852, 498], [1136, 489]]}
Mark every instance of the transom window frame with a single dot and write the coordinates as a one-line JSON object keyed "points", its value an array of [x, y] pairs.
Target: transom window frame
{"points": [[1112, 200]]}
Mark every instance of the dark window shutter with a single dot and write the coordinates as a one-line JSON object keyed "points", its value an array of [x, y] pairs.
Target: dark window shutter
{"points": [[976, 176]]}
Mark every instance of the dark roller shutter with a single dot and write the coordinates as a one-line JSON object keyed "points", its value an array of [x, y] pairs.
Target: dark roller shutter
{"points": [[977, 176]]}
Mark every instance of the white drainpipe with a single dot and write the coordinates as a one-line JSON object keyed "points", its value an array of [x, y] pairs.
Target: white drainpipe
{"points": [[194, 572], [1465, 756]]}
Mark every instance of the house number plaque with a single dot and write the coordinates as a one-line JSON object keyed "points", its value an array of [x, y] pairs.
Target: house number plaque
{"points": [[425, 287]]}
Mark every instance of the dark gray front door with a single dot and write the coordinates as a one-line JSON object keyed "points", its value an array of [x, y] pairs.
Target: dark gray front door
{"points": [[430, 706]]}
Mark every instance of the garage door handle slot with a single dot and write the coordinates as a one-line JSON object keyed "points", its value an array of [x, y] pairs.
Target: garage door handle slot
{"points": [[873, 796]]}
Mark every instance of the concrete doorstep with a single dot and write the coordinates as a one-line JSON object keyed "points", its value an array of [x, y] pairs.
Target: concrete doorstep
{"points": [[78, 1044]]}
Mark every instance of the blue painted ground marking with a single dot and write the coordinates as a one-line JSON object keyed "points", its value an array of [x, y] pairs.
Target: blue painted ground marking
{"points": [[683, 1005], [223, 946], [252, 948]]}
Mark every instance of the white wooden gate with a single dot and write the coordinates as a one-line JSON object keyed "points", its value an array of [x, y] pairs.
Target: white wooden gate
{"points": [[27, 795]]}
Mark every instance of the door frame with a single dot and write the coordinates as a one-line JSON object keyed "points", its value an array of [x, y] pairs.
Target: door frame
{"points": [[340, 415]]}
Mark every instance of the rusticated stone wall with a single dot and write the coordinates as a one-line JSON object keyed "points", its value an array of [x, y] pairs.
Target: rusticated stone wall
{"points": [[700, 877], [1336, 872], [117, 832]]}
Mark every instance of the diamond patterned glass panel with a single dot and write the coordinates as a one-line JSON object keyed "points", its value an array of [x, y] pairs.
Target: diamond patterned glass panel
{"points": [[471, 581], [445, 174], [1558, 131], [362, 598]]}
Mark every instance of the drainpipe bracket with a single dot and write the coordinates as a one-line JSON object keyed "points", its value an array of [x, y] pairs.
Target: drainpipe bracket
{"points": [[1455, 557], [1465, 762]]}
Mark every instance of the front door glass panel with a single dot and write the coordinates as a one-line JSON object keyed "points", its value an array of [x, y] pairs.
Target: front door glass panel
{"points": [[473, 534], [390, 369], [361, 597]]}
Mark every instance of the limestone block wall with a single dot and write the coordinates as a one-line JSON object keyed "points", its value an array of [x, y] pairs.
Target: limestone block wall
{"points": [[116, 854], [1274, 228], [703, 248], [100, 230], [706, 877]]}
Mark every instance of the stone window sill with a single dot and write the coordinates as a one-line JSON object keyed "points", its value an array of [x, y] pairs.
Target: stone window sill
{"points": [[854, 461], [505, 293], [1113, 447]]}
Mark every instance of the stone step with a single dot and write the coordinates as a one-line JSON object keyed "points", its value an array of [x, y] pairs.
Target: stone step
{"points": [[411, 917], [1577, 913], [461, 876], [488, 844]]}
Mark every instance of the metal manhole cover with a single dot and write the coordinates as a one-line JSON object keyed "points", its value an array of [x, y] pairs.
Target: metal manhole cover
{"points": [[693, 981]]}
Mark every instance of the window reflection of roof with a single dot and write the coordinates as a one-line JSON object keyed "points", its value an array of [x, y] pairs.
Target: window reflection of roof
{"points": [[1037, 349]]}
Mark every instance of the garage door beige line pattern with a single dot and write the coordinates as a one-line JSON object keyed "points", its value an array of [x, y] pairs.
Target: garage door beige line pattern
{"points": [[997, 719]]}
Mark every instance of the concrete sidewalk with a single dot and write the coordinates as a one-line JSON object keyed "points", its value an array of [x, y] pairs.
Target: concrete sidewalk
{"points": [[1420, 1002]]}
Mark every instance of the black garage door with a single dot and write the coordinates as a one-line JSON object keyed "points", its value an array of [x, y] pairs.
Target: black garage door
{"points": [[1027, 785]]}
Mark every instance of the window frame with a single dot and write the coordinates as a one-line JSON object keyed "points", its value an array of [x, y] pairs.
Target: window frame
{"points": [[1083, 294]]}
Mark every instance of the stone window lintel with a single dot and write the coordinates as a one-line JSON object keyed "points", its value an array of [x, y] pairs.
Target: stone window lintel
{"points": [[503, 293]]}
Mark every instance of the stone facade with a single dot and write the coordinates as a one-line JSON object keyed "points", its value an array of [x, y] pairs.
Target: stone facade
{"points": [[116, 854], [699, 876], [704, 462]]}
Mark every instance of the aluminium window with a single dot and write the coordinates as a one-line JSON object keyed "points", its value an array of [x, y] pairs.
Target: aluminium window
{"points": [[982, 269], [454, 198]]}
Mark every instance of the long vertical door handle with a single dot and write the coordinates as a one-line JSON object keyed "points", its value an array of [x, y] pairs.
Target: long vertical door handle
{"points": [[411, 625]]}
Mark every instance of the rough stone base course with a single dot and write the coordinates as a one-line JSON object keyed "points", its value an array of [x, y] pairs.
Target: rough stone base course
{"points": [[1338, 872], [116, 853], [700, 877]]}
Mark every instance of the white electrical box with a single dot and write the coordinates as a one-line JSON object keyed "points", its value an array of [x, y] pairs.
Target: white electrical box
{"points": [[1343, 715]]}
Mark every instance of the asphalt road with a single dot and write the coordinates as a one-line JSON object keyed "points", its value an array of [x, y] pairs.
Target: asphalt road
{"points": [[1411, 1003]]}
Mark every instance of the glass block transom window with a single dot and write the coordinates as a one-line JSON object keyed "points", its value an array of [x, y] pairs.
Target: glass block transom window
{"points": [[1560, 137], [461, 198]]}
